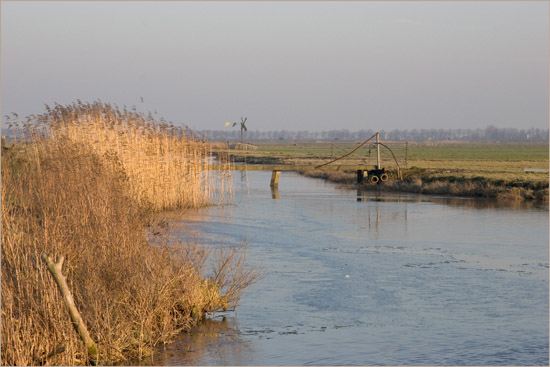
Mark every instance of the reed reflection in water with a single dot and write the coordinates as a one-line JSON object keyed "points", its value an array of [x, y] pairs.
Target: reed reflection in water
{"points": [[217, 340], [432, 280], [364, 195]]}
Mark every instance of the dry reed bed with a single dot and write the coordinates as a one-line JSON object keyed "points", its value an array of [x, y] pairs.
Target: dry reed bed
{"points": [[84, 189], [167, 167]]}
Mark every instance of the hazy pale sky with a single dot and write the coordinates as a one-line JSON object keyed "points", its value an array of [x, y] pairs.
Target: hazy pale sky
{"points": [[285, 65]]}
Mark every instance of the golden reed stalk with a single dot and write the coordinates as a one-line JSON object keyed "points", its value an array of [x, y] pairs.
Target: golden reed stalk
{"points": [[81, 184], [167, 167]]}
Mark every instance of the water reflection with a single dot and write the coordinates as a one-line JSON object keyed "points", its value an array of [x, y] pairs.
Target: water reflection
{"points": [[366, 277], [478, 203], [395, 220], [216, 341]]}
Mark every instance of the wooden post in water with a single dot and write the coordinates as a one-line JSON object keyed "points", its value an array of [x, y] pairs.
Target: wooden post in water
{"points": [[275, 178]]}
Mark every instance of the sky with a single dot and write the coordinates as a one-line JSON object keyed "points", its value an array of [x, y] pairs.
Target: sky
{"points": [[285, 65]]}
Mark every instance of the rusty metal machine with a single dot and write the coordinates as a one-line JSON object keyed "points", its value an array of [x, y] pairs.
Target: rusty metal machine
{"points": [[378, 174]]}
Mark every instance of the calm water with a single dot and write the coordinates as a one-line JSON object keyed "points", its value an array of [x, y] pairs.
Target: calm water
{"points": [[370, 279]]}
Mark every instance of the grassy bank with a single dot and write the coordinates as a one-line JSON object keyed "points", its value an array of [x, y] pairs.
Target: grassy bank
{"points": [[478, 169], [83, 182], [432, 182]]}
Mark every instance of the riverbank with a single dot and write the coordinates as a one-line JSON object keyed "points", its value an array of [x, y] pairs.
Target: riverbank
{"points": [[492, 170], [86, 182], [434, 182]]}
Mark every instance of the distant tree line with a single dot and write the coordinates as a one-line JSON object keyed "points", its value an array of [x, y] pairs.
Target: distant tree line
{"points": [[490, 133]]}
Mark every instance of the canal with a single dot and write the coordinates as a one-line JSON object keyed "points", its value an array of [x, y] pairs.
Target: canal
{"points": [[368, 278]]}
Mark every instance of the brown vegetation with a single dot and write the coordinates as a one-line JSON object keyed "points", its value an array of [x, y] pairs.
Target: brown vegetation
{"points": [[83, 189], [427, 182], [166, 167], [418, 181]]}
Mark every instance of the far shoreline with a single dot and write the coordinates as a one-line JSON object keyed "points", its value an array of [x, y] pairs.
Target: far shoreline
{"points": [[450, 187]]}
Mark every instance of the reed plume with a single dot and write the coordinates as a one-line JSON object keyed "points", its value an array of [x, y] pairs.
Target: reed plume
{"points": [[167, 167], [82, 183]]}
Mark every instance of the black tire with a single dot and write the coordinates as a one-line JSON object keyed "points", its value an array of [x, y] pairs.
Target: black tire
{"points": [[374, 179], [384, 177]]}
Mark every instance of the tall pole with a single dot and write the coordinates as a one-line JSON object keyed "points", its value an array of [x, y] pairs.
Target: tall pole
{"points": [[377, 150], [406, 153]]}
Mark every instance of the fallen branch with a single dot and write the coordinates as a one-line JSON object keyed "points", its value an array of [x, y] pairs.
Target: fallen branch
{"points": [[78, 323]]}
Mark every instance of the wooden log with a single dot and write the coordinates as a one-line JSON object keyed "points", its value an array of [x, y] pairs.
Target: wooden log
{"points": [[78, 323]]}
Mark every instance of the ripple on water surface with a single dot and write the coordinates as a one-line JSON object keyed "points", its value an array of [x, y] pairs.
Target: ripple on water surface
{"points": [[371, 279]]}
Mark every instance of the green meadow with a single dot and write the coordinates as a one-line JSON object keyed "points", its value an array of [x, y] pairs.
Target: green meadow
{"points": [[489, 163]]}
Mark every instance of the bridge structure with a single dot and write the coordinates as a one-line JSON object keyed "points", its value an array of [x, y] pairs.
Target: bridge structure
{"points": [[276, 169], [375, 174]]}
